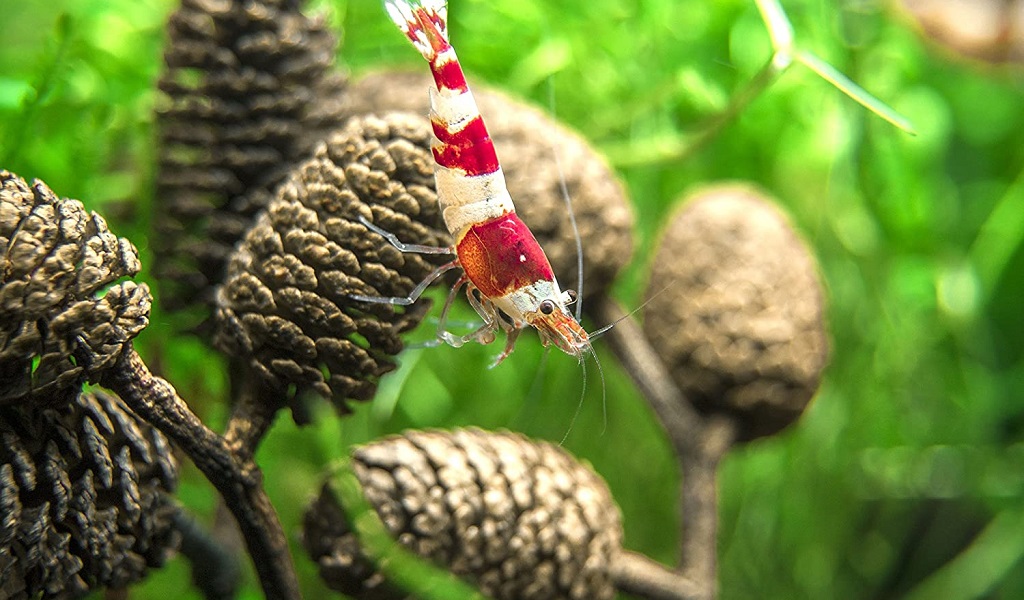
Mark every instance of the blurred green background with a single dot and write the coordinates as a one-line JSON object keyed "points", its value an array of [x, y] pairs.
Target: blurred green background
{"points": [[906, 476]]}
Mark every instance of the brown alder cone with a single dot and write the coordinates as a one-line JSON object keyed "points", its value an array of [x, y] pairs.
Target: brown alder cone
{"points": [[735, 310], [284, 308], [60, 323], [250, 89], [84, 498], [986, 30], [537, 154], [519, 519]]}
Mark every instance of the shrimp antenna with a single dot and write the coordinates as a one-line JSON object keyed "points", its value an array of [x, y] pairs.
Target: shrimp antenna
{"points": [[599, 332], [579, 405], [568, 207], [579, 275], [604, 393]]}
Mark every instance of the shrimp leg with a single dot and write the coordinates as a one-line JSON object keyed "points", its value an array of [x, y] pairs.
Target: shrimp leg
{"points": [[483, 334], [416, 292], [414, 249], [402, 246]]}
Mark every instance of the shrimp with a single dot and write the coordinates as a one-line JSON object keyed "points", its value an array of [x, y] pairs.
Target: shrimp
{"points": [[509, 280]]}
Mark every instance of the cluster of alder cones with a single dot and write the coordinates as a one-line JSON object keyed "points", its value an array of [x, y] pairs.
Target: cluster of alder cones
{"points": [[268, 158]]}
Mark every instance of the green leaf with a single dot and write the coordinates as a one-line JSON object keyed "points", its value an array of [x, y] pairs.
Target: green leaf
{"points": [[390, 388], [13, 92], [978, 570], [547, 59], [1000, 236], [851, 89]]}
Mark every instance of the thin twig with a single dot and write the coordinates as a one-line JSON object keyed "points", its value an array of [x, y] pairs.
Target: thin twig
{"points": [[637, 574], [678, 149], [764, 78], [699, 444], [682, 423], [238, 481], [699, 504]]}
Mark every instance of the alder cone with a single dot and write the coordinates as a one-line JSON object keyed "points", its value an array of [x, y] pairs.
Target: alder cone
{"points": [[987, 30], [519, 519], [84, 498], [734, 308], [284, 309], [249, 90], [537, 156], [61, 320]]}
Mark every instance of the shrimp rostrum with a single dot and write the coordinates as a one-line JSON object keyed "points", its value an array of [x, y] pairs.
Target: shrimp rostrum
{"points": [[509, 280]]}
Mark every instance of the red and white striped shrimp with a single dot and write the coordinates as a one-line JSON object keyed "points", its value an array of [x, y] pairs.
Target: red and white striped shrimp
{"points": [[510, 282]]}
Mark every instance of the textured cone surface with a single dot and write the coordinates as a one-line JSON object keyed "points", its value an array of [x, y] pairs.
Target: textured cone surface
{"points": [[519, 519], [59, 322], [249, 92], [84, 498], [735, 310], [529, 143], [284, 308]]}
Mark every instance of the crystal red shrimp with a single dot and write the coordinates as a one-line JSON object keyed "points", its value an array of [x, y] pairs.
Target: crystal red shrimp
{"points": [[509, 279]]}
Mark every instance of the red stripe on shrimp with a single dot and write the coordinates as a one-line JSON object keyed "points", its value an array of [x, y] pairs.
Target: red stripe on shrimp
{"points": [[428, 32], [501, 255], [474, 132], [477, 159], [469, 148], [448, 74]]}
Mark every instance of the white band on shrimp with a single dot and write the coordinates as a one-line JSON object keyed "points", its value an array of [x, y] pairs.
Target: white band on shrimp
{"points": [[456, 188], [446, 56], [468, 200], [460, 218], [453, 110]]}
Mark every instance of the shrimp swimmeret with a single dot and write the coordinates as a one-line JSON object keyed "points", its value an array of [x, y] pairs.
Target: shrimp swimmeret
{"points": [[509, 279]]}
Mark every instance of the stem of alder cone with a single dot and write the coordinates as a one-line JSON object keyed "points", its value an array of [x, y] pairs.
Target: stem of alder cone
{"points": [[682, 423], [215, 569], [637, 574], [252, 413], [238, 480], [699, 504], [699, 443]]}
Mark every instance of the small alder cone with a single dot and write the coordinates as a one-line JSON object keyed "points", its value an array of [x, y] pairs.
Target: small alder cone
{"points": [[989, 30], [284, 308], [250, 89], [60, 323], [519, 519], [735, 310], [537, 155], [84, 498]]}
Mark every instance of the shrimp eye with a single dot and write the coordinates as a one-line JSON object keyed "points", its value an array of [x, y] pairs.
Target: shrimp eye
{"points": [[547, 307]]}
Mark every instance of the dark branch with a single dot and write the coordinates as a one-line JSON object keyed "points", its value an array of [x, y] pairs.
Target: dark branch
{"points": [[238, 481], [252, 413], [215, 569]]}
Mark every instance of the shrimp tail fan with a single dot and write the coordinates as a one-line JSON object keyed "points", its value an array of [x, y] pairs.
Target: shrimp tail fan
{"points": [[424, 22]]}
